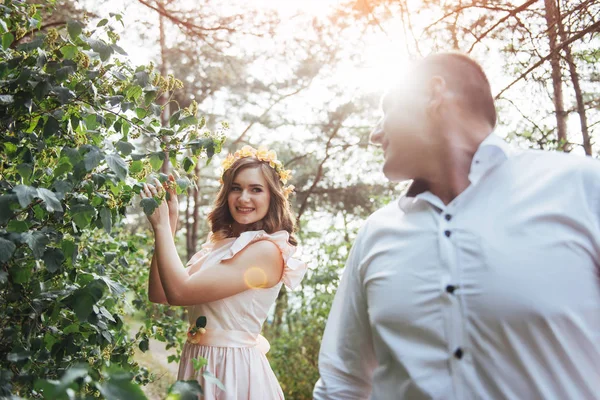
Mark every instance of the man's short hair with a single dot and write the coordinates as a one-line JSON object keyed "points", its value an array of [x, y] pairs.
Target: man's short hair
{"points": [[465, 76]]}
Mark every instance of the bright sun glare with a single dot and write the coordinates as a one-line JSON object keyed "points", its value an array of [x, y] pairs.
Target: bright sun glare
{"points": [[385, 54]]}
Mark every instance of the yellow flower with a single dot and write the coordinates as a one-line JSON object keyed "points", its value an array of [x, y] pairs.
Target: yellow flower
{"points": [[276, 164], [271, 156], [288, 190], [247, 151], [228, 162], [284, 175], [262, 154]]}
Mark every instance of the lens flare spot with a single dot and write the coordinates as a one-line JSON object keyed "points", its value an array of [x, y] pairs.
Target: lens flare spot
{"points": [[255, 277]]}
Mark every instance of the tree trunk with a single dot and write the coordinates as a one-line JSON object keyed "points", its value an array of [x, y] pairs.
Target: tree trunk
{"points": [[190, 249], [164, 100], [196, 210], [587, 144], [552, 18], [280, 307]]}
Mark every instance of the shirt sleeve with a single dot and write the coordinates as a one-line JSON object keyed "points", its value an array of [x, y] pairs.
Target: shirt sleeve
{"points": [[347, 358]]}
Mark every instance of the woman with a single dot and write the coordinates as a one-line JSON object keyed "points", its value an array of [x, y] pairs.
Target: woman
{"points": [[230, 285]]}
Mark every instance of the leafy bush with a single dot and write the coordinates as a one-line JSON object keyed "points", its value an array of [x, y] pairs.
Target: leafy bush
{"points": [[75, 118]]}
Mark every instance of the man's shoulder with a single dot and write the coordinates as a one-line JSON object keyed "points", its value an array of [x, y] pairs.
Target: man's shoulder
{"points": [[380, 218], [390, 210], [555, 161]]}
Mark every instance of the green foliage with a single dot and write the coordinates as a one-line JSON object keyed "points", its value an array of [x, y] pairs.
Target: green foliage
{"points": [[71, 114]]}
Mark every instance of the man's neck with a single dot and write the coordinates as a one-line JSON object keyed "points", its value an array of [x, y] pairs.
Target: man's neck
{"points": [[448, 177]]}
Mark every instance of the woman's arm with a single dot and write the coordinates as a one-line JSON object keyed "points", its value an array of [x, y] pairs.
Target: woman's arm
{"points": [[233, 276], [156, 293], [236, 275]]}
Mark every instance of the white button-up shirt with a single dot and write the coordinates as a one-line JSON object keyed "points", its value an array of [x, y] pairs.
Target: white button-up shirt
{"points": [[493, 296]]}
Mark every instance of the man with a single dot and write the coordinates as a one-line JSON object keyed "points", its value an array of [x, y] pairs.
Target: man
{"points": [[483, 280]]}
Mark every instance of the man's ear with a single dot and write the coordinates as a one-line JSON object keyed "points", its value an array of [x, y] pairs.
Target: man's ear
{"points": [[436, 92]]}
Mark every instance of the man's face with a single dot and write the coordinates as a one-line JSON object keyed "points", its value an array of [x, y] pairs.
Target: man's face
{"points": [[402, 131]]}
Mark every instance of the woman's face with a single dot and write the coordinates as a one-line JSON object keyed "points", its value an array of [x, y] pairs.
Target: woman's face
{"points": [[249, 197]]}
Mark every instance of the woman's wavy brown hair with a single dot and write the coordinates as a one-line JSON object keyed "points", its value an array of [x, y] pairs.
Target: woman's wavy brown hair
{"points": [[279, 216]]}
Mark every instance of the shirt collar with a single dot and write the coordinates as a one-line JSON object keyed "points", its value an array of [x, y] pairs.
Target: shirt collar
{"points": [[490, 153]]}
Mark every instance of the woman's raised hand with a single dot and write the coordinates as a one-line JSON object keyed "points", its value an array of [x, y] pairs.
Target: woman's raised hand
{"points": [[160, 216]]}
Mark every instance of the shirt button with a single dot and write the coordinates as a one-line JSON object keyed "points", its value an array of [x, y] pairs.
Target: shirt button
{"points": [[458, 353], [447, 233], [448, 217], [450, 289]]}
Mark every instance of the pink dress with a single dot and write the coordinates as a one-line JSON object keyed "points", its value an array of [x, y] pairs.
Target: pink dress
{"points": [[232, 343]]}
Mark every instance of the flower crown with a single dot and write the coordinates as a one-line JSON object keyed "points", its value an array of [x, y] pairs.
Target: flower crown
{"points": [[262, 154]]}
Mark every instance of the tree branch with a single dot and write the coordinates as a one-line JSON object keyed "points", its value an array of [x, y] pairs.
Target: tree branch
{"points": [[592, 28]]}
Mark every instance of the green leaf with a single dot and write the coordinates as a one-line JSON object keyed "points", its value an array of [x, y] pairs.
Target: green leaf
{"points": [[91, 122], [72, 154], [6, 202], [21, 273], [64, 72], [101, 47], [64, 165], [25, 194], [7, 249], [84, 299], [53, 258], [141, 78], [20, 356], [106, 218], [144, 345], [25, 170], [210, 378], [182, 184], [49, 198], [6, 99], [201, 322], [136, 166], [109, 256], [156, 160], [121, 386], [117, 165], [17, 226], [134, 92], [7, 39], [188, 164], [74, 28], [37, 241], [102, 22], [69, 51], [174, 119], [119, 49], [42, 89], [199, 363], [187, 121], [185, 390], [82, 215], [69, 250], [141, 112], [92, 158], [149, 205], [63, 94], [51, 127], [57, 390], [124, 148], [115, 287]]}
